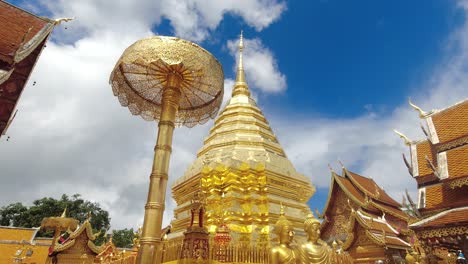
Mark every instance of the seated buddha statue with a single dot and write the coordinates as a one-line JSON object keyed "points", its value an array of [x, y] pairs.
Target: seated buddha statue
{"points": [[314, 250], [284, 253]]}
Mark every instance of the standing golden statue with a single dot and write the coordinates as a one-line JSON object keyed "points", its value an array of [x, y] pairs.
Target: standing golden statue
{"points": [[284, 253], [178, 83], [314, 250]]}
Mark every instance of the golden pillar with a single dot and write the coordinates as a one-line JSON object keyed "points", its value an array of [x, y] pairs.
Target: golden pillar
{"points": [[151, 234], [178, 83]]}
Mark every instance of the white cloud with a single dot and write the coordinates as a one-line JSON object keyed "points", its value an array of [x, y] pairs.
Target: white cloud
{"points": [[193, 19], [260, 65], [190, 19]]}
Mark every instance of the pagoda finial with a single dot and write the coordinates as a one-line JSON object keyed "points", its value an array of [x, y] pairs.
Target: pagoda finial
{"points": [[281, 208], [240, 86]]}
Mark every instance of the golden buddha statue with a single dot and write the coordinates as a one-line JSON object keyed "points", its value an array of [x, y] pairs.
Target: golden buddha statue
{"points": [[284, 253], [314, 250]]}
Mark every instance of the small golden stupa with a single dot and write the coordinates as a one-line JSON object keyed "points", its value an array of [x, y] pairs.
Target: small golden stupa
{"points": [[244, 174]]}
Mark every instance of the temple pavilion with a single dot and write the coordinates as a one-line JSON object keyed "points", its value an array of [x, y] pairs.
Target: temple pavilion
{"points": [[439, 164], [244, 175], [364, 219]]}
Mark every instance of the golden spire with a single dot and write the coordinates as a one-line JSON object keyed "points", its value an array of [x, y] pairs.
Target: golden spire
{"points": [[240, 87], [64, 213]]}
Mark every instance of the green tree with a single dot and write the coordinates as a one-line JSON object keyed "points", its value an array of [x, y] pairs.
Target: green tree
{"points": [[123, 238], [18, 215], [12, 214]]}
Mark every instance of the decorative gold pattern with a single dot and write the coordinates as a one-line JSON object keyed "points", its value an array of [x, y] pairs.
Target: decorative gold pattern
{"points": [[458, 183], [139, 78], [446, 231]]}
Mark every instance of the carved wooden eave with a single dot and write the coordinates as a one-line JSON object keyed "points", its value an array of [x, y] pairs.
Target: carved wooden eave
{"points": [[385, 236], [400, 215], [330, 191], [350, 235]]}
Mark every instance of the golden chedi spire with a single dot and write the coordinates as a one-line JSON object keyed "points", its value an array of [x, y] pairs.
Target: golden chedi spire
{"points": [[244, 173], [240, 86]]}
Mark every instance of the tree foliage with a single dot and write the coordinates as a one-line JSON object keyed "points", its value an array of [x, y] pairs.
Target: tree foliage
{"points": [[19, 215], [123, 238]]}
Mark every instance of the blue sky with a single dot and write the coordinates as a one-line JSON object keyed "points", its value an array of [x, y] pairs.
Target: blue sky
{"points": [[333, 82]]}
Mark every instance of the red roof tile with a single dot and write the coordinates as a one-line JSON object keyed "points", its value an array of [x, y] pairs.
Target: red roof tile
{"points": [[15, 24], [370, 187]]}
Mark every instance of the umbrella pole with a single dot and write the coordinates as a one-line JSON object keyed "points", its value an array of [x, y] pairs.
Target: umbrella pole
{"points": [[150, 242]]}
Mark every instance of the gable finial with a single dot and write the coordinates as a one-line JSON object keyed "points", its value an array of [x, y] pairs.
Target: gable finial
{"points": [[422, 113], [405, 138]]}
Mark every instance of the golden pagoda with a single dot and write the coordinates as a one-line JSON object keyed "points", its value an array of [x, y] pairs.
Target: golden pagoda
{"points": [[244, 175]]}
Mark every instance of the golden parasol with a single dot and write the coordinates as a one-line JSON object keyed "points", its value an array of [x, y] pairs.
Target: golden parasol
{"points": [[178, 83]]}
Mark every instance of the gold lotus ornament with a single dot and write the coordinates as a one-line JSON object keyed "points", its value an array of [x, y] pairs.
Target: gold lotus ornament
{"points": [[178, 83]]}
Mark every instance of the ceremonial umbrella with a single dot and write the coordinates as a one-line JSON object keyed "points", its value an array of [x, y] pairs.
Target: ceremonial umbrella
{"points": [[178, 83]]}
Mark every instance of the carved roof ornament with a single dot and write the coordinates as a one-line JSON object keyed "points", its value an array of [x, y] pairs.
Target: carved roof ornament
{"points": [[407, 164], [342, 165], [422, 114], [405, 138], [432, 166]]}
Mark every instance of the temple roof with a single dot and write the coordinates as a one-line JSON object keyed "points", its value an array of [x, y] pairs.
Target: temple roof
{"points": [[444, 154], [22, 37], [366, 193], [449, 217]]}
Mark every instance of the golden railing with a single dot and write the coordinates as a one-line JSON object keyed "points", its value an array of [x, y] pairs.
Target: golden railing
{"points": [[229, 254]]}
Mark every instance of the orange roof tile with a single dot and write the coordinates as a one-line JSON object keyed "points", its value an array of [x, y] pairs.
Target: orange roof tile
{"points": [[442, 196], [457, 161], [424, 149], [448, 217], [370, 187], [452, 122]]}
